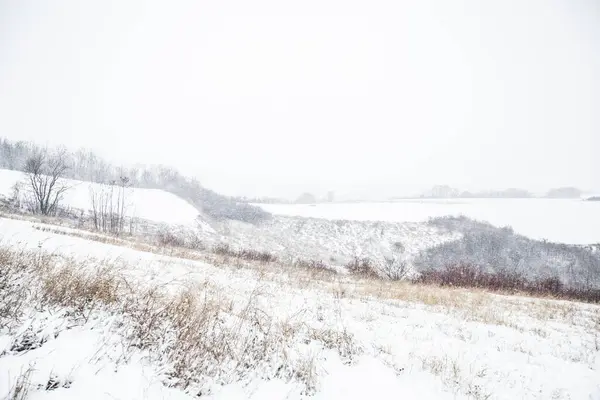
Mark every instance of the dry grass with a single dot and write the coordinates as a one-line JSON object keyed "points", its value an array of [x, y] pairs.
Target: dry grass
{"points": [[21, 387], [11, 274], [340, 340], [199, 334], [471, 304], [453, 376], [476, 304], [69, 287], [416, 293]]}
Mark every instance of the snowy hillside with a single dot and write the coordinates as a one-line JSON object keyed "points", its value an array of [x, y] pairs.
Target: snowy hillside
{"points": [[149, 204], [570, 221], [333, 241], [99, 321]]}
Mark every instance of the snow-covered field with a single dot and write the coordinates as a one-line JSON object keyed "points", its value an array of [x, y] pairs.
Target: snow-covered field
{"points": [[350, 339], [291, 332], [558, 220], [149, 204]]}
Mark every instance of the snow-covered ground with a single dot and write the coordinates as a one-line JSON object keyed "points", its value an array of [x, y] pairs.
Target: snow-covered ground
{"points": [[149, 204], [558, 220], [333, 241], [407, 341]]}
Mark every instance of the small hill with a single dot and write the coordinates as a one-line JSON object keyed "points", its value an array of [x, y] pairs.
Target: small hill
{"points": [[150, 204], [85, 165]]}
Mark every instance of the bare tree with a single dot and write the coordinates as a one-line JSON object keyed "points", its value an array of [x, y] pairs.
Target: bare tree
{"points": [[124, 183], [109, 206], [45, 173]]}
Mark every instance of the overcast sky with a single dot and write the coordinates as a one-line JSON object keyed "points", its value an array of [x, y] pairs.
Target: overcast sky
{"points": [[278, 97]]}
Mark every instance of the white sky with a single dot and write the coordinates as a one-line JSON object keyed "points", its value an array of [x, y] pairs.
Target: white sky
{"points": [[278, 97]]}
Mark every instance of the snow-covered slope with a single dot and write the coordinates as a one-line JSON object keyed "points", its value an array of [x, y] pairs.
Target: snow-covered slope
{"points": [[570, 221], [150, 204], [350, 339], [334, 241]]}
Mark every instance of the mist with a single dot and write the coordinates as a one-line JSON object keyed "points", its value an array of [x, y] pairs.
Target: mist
{"points": [[275, 99]]}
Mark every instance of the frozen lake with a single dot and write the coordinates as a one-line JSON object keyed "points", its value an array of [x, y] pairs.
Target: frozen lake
{"points": [[558, 220]]}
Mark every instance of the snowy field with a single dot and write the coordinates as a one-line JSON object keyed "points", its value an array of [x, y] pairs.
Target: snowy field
{"points": [[281, 332], [558, 220], [150, 204], [346, 339]]}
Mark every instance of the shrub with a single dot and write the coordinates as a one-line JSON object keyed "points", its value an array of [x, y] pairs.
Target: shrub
{"points": [[499, 249], [466, 275], [312, 264], [166, 238], [394, 268], [225, 249], [363, 267]]}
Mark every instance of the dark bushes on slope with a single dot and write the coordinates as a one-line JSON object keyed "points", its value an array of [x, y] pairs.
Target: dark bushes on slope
{"points": [[245, 254], [469, 276], [500, 251]]}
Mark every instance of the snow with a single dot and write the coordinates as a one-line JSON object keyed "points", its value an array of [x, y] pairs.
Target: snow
{"points": [[571, 221], [83, 362], [503, 346], [340, 241], [150, 204]]}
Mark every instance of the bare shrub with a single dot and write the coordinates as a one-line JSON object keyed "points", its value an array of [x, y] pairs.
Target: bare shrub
{"points": [[467, 275], [394, 268], [311, 264], [166, 238], [193, 242], [256, 255], [399, 247], [364, 267], [223, 249], [108, 206], [226, 250]]}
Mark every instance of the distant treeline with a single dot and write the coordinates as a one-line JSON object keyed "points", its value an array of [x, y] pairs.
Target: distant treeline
{"points": [[85, 165], [447, 192]]}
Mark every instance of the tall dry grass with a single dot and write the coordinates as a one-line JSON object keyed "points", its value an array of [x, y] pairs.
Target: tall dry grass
{"points": [[198, 336]]}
